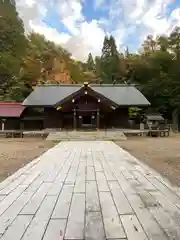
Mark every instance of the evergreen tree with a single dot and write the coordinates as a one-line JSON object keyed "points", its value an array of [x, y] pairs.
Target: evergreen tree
{"points": [[115, 60], [106, 62], [98, 66], [12, 45], [90, 63], [113, 47], [110, 59], [105, 50]]}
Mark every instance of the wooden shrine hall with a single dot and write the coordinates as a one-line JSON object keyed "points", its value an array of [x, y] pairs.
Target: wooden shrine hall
{"points": [[87, 106]]}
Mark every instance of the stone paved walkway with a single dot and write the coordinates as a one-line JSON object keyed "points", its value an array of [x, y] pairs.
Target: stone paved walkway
{"points": [[88, 190]]}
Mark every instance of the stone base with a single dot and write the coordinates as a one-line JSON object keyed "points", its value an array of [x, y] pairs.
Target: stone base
{"points": [[86, 136]]}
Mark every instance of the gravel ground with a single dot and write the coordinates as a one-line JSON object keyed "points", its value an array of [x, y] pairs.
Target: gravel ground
{"points": [[15, 153], [161, 154]]}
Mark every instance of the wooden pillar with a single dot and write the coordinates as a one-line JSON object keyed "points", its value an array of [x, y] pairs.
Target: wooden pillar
{"points": [[60, 120], [97, 119], [74, 120], [3, 124], [21, 125]]}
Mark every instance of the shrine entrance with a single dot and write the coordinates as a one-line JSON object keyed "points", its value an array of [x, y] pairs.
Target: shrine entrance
{"points": [[88, 119]]}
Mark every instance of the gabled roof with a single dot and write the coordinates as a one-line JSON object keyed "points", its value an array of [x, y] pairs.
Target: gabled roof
{"points": [[50, 95], [123, 95], [154, 117], [11, 109]]}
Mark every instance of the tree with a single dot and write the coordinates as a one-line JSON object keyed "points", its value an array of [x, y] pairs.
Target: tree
{"points": [[106, 49], [112, 62], [12, 45], [163, 43], [45, 62], [149, 45], [158, 73], [115, 59], [76, 70], [26, 61], [98, 66], [90, 63], [174, 42]]}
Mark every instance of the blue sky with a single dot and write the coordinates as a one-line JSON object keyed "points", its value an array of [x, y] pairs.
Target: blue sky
{"points": [[80, 25]]}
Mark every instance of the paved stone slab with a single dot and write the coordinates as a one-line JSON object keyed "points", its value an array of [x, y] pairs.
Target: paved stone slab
{"points": [[90, 173], [170, 227], [102, 182], [39, 223], [92, 199], [88, 191], [55, 229], [120, 200], [63, 203], [112, 224], [13, 185], [8, 216], [33, 187], [34, 203], [80, 179], [55, 189], [6, 203], [133, 228], [2, 197], [94, 229], [140, 207], [18, 227], [75, 225]]}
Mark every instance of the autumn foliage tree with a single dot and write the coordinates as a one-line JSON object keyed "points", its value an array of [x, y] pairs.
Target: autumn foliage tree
{"points": [[28, 60], [12, 46]]}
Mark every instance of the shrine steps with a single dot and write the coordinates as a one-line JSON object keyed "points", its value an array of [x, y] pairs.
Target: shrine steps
{"points": [[110, 135]]}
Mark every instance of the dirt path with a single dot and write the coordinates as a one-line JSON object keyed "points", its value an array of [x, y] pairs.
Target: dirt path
{"points": [[15, 153]]}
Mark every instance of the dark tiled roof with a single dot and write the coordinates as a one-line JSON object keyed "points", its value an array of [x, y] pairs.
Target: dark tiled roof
{"points": [[122, 94], [49, 95], [11, 109], [154, 117]]}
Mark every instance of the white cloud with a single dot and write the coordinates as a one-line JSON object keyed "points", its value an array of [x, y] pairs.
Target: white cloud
{"points": [[175, 17], [90, 39], [127, 20], [50, 33], [70, 12], [83, 36], [31, 10]]}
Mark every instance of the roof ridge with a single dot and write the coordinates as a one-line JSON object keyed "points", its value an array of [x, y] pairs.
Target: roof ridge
{"points": [[81, 84], [55, 85]]}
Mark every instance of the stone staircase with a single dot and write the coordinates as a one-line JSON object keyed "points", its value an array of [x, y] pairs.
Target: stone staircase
{"points": [[109, 135]]}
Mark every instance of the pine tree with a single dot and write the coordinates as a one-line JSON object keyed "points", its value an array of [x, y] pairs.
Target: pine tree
{"points": [[113, 47], [110, 59], [105, 49], [98, 66], [115, 59], [90, 63], [105, 61]]}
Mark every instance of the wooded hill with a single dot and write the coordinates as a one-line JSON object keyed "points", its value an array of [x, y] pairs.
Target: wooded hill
{"points": [[28, 60]]}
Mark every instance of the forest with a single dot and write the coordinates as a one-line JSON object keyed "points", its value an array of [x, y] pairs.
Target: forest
{"points": [[28, 60]]}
